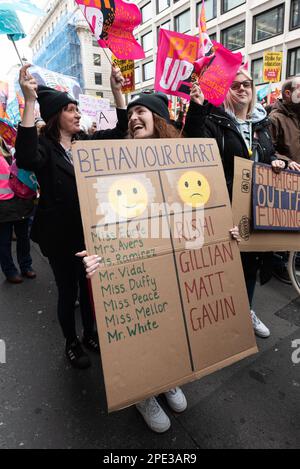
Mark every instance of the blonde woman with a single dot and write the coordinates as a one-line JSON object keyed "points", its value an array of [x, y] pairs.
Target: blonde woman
{"points": [[241, 128]]}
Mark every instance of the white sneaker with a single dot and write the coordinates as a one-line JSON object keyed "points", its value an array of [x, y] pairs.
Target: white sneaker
{"points": [[176, 399], [259, 328], [154, 415]]}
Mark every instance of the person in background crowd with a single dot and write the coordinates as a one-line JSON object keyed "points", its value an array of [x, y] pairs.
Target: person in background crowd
{"points": [[285, 123], [14, 216], [285, 130], [93, 128], [148, 117], [57, 226], [241, 128]]}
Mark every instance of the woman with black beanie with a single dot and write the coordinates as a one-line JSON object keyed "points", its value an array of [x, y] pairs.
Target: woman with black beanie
{"points": [[57, 226]]}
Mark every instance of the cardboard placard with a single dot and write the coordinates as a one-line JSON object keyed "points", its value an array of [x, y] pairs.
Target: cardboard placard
{"points": [[170, 298], [276, 199], [242, 215]]}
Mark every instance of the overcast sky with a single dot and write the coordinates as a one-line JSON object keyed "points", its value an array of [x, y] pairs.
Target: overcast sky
{"points": [[8, 54]]}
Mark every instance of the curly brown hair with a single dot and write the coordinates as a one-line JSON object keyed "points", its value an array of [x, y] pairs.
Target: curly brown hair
{"points": [[162, 129]]}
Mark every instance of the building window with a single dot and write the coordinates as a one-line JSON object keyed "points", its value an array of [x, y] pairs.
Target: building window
{"points": [[231, 4], [295, 14], [234, 37], [293, 63], [99, 93], [268, 24], [162, 5], [98, 78], [146, 12], [95, 43], [137, 75], [97, 60], [147, 41], [210, 10], [213, 36], [148, 71], [257, 74], [183, 22]]}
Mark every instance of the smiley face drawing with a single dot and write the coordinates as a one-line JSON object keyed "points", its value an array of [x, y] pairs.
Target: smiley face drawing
{"points": [[125, 197], [193, 189]]}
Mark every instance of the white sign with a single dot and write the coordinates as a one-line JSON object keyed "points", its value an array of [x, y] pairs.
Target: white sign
{"points": [[106, 119], [90, 105]]}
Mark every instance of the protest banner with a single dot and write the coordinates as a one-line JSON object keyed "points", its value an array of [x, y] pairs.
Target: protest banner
{"points": [[55, 80], [272, 66], [242, 214], [106, 119], [8, 132], [276, 199], [170, 297], [127, 70], [3, 98], [91, 105], [112, 22], [177, 66]]}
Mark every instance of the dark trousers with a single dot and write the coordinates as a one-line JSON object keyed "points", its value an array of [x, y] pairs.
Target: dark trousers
{"points": [[251, 264], [69, 274], [23, 247]]}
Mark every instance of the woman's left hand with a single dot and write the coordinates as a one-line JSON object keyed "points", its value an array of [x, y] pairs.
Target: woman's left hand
{"points": [[235, 234], [116, 79], [278, 165], [91, 263]]}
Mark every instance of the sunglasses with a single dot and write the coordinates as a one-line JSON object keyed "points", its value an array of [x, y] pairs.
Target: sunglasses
{"points": [[236, 85]]}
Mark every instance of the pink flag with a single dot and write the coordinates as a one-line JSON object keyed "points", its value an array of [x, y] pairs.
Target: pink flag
{"points": [[112, 22], [175, 62], [219, 74], [177, 67], [205, 42]]}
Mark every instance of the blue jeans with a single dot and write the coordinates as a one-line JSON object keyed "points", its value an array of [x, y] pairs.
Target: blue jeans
{"points": [[23, 247]]}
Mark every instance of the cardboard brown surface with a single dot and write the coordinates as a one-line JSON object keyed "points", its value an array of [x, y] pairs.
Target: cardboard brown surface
{"points": [[242, 214], [170, 298]]}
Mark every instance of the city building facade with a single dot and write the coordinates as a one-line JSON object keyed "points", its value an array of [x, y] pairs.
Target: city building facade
{"points": [[62, 41], [246, 26]]}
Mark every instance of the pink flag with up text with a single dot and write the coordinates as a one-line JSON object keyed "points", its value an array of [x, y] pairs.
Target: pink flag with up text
{"points": [[177, 67], [112, 22]]}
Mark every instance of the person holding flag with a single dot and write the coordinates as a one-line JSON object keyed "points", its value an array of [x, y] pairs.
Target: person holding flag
{"points": [[57, 226]]}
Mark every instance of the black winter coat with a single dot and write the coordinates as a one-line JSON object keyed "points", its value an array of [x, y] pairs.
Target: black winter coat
{"points": [[211, 122], [208, 121], [57, 226]]}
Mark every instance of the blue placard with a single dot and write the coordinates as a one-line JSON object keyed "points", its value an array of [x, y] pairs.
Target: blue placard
{"points": [[276, 199]]}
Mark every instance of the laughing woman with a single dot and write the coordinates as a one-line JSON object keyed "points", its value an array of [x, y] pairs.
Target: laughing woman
{"points": [[57, 226], [148, 117]]}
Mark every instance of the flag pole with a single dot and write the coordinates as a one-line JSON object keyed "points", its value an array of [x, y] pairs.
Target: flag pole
{"points": [[107, 56], [12, 40]]}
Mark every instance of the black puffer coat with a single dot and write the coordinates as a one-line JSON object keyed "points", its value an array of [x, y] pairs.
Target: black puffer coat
{"points": [[211, 122]]}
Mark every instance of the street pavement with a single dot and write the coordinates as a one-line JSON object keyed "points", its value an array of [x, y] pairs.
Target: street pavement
{"points": [[44, 403]]}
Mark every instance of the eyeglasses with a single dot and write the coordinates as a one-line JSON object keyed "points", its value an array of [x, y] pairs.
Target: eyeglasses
{"points": [[236, 85]]}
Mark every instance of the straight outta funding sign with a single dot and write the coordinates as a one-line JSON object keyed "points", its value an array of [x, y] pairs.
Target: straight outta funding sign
{"points": [[170, 297]]}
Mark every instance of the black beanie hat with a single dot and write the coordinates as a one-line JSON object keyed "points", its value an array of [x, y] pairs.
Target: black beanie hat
{"points": [[155, 102], [52, 101]]}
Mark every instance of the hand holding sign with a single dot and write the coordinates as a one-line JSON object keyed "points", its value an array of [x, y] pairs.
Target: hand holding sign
{"points": [[196, 94]]}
